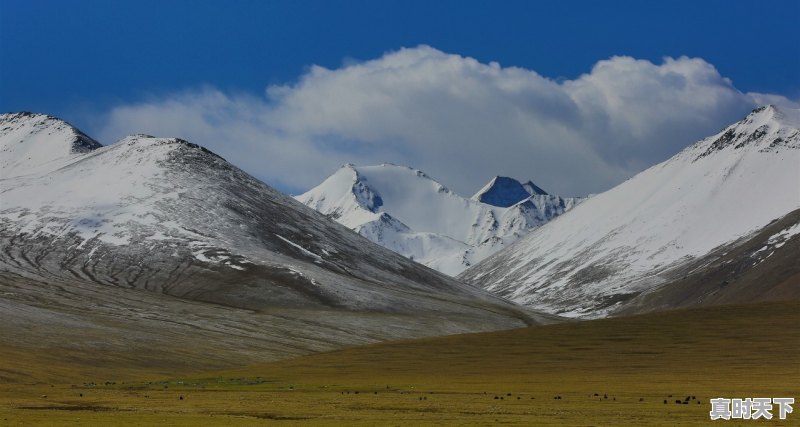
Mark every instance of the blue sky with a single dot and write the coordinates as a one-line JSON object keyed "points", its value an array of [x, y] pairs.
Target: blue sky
{"points": [[100, 63]]}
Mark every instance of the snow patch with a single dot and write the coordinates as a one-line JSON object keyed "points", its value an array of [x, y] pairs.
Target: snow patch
{"points": [[300, 248]]}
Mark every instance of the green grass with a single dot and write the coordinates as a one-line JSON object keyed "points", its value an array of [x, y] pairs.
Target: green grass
{"points": [[733, 351]]}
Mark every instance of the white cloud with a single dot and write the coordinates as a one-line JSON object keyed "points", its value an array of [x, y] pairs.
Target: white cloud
{"points": [[460, 120]]}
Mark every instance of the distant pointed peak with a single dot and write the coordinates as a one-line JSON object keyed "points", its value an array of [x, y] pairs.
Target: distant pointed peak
{"points": [[502, 191]]}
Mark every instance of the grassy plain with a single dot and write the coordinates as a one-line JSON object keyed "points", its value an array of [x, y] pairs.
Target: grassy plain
{"points": [[510, 377]]}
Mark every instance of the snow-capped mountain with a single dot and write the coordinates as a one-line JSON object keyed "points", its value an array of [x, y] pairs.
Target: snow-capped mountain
{"points": [[167, 216], [505, 192], [405, 210], [658, 226]]}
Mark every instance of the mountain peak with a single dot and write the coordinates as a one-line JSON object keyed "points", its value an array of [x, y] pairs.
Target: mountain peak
{"points": [[144, 140], [502, 192], [765, 129], [772, 114], [29, 141], [22, 123]]}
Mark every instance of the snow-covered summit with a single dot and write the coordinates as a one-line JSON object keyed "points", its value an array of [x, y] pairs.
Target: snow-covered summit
{"points": [[31, 142], [766, 128], [503, 192], [407, 211], [651, 228]]}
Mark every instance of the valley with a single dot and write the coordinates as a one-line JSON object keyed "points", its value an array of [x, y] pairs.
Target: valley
{"points": [[399, 213], [509, 377]]}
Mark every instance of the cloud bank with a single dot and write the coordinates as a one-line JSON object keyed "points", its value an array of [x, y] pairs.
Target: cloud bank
{"points": [[460, 120]]}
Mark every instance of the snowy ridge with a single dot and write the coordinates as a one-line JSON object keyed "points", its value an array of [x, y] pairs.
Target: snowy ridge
{"points": [[637, 235], [533, 189], [403, 209]]}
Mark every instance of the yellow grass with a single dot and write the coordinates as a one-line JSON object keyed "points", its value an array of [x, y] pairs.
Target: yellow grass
{"points": [[638, 362]]}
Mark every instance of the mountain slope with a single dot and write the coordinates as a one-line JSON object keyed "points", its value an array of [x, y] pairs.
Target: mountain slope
{"points": [[764, 267], [168, 217], [408, 212], [644, 232]]}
